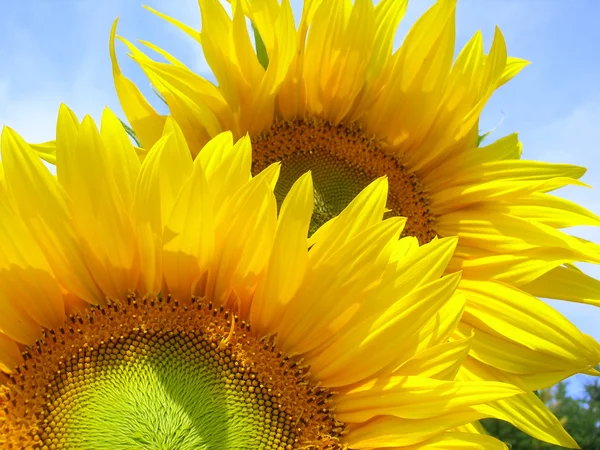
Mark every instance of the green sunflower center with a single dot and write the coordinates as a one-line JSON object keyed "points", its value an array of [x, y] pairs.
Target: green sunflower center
{"points": [[167, 377], [161, 391], [343, 161]]}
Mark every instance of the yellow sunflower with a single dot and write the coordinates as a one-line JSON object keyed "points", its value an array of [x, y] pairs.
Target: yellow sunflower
{"points": [[330, 96], [166, 304]]}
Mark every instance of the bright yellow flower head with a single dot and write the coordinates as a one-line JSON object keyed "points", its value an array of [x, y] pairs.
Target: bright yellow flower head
{"points": [[197, 318], [330, 96]]}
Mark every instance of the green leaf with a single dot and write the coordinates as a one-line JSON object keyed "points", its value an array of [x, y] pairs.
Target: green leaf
{"points": [[482, 137], [261, 50], [131, 133], [159, 95]]}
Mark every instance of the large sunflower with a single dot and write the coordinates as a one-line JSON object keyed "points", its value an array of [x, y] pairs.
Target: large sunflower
{"points": [[330, 96], [196, 317]]}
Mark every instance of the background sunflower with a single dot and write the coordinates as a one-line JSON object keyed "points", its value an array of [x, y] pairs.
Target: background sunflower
{"points": [[329, 95]]}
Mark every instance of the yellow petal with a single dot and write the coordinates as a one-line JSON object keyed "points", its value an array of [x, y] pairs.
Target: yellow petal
{"points": [[257, 251], [506, 148], [259, 110], [183, 27], [422, 266], [196, 104], [144, 120], [513, 67], [249, 236], [67, 131], [44, 208], [188, 240], [325, 33], [411, 397], [432, 36], [175, 166], [101, 220], [407, 104], [27, 284], [494, 66], [10, 355], [164, 171], [15, 322], [122, 159], [327, 303], [460, 441], [551, 211], [374, 342], [496, 193], [517, 170], [174, 61], [566, 283], [229, 52], [270, 175], [227, 167], [441, 362], [264, 15], [289, 256], [147, 214], [404, 247], [514, 268], [474, 427], [365, 210], [389, 431], [515, 358], [337, 56], [504, 233], [436, 330], [527, 412], [388, 14], [46, 151], [506, 311]]}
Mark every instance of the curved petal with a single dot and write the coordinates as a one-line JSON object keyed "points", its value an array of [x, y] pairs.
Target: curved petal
{"points": [[44, 208]]}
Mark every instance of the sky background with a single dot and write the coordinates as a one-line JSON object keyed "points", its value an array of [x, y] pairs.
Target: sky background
{"points": [[55, 51]]}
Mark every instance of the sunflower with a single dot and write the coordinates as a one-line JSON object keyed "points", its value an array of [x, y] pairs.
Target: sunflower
{"points": [[331, 97], [167, 304]]}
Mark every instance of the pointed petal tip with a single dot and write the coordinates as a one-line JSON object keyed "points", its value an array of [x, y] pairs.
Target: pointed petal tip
{"points": [[305, 178], [451, 240], [454, 277], [379, 183], [230, 134], [88, 123], [10, 136], [111, 49]]}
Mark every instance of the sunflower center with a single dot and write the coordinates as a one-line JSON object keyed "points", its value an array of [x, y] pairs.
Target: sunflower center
{"points": [[343, 161], [154, 374]]}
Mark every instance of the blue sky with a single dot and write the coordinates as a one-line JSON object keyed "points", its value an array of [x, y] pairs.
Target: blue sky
{"points": [[55, 51]]}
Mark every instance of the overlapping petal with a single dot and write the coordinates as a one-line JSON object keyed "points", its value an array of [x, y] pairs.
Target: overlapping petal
{"points": [[368, 312]]}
